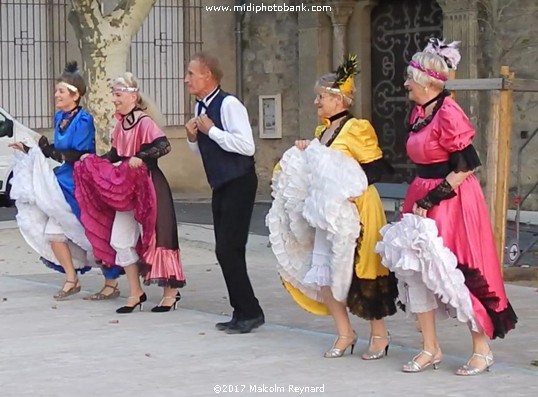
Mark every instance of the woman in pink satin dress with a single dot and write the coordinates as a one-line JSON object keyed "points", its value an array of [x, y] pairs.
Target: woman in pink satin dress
{"points": [[126, 203], [445, 190]]}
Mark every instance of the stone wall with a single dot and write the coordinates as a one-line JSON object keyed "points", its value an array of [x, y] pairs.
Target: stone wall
{"points": [[509, 36], [284, 52], [270, 66]]}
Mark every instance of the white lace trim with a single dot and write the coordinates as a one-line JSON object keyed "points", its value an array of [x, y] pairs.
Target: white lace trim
{"points": [[311, 191], [319, 275], [414, 251]]}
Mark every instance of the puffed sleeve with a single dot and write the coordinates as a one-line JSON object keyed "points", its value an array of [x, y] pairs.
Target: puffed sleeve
{"points": [[84, 136], [455, 136], [148, 130], [359, 140], [82, 140]]}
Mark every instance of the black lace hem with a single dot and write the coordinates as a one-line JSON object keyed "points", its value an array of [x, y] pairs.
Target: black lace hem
{"points": [[373, 299], [504, 320], [464, 160], [166, 282], [376, 169], [171, 282]]}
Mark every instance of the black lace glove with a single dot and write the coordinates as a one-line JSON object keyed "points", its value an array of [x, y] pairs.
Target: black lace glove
{"points": [[152, 151], [68, 156], [443, 191]]}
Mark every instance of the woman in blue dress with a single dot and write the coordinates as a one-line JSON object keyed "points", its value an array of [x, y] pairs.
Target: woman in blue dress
{"points": [[48, 214]]}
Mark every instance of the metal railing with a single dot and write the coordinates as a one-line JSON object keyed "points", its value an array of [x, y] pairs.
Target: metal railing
{"points": [[169, 36], [519, 200], [33, 45]]}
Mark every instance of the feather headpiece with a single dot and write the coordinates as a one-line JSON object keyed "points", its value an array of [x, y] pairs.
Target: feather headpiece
{"points": [[345, 74], [449, 52]]}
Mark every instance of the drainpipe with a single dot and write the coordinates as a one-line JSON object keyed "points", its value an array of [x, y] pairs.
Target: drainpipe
{"points": [[239, 15]]}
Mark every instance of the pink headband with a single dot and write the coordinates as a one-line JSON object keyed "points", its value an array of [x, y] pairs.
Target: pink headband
{"points": [[429, 72], [122, 88]]}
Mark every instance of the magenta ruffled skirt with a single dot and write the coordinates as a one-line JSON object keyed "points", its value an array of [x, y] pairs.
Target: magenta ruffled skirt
{"points": [[464, 224], [101, 190]]}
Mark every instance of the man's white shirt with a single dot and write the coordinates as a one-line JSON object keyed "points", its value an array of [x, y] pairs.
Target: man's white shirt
{"points": [[237, 134]]}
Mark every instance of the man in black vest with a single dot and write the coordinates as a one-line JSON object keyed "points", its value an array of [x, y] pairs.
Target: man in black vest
{"points": [[222, 135]]}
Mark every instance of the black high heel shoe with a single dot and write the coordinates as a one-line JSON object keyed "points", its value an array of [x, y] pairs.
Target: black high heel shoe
{"points": [[129, 309], [162, 309]]}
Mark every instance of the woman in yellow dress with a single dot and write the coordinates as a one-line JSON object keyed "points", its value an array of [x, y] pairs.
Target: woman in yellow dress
{"points": [[372, 289]]}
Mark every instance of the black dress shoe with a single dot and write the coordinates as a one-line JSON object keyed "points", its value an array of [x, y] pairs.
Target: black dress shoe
{"points": [[225, 325], [245, 326]]}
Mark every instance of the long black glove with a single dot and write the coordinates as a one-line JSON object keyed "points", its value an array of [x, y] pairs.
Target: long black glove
{"points": [[443, 191]]}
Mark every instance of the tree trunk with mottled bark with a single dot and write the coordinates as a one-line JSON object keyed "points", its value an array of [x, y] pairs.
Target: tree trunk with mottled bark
{"points": [[105, 41]]}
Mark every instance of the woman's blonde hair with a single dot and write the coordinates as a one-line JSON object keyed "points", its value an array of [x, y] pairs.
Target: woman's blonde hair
{"points": [[143, 102], [327, 82], [431, 62]]}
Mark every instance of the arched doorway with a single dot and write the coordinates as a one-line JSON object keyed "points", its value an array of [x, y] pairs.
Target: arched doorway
{"points": [[399, 29]]}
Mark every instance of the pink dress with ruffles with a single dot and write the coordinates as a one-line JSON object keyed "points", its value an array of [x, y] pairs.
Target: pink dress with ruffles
{"points": [[104, 189], [463, 221]]}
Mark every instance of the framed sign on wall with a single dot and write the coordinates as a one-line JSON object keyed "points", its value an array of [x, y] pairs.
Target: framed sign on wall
{"points": [[270, 116]]}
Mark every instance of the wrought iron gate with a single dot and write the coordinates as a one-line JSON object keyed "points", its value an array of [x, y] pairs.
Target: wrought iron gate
{"points": [[33, 50], [170, 35], [399, 29]]}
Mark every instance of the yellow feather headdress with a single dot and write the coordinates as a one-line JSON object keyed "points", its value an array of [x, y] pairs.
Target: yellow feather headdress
{"points": [[345, 74]]}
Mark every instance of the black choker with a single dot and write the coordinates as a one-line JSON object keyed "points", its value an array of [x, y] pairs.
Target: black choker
{"points": [[439, 99], [327, 121], [441, 94], [338, 115]]}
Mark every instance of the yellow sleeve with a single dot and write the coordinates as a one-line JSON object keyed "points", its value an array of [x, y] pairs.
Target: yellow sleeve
{"points": [[358, 140]]}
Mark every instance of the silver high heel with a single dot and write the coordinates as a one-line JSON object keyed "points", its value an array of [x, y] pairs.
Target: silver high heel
{"points": [[335, 352], [468, 370], [370, 355], [414, 366]]}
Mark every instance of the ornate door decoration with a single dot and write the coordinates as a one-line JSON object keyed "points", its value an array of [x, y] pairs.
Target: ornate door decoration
{"points": [[400, 28]]}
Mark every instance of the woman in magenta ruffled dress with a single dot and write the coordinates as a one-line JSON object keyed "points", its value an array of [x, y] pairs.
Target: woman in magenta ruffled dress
{"points": [[126, 202], [445, 190]]}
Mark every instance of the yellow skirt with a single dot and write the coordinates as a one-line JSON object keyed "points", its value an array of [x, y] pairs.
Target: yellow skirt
{"points": [[367, 263]]}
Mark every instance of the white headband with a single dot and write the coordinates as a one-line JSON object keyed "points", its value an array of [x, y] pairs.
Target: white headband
{"points": [[70, 87], [333, 90]]}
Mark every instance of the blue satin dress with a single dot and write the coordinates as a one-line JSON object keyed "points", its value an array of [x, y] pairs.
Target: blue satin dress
{"points": [[79, 135]]}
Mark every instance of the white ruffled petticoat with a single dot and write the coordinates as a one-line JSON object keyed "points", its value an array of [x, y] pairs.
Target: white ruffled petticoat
{"points": [[310, 192], [38, 198], [414, 251]]}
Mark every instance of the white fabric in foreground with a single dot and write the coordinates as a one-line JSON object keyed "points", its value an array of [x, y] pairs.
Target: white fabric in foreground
{"points": [[414, 251], [310, 191], [38, 197]]}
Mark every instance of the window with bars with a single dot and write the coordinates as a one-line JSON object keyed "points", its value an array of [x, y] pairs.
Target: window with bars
{"points": [[159, 52], [33, 50], [34, 40]]}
